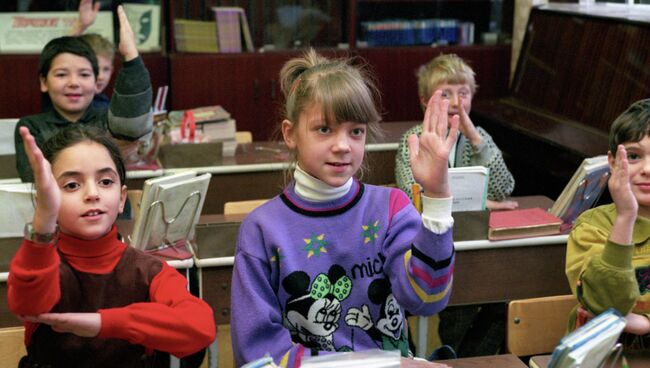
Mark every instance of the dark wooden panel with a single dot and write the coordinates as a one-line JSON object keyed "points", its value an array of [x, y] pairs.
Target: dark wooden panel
{"points": [[20, 94], [216, 291], [503, 274], [590, 72]]}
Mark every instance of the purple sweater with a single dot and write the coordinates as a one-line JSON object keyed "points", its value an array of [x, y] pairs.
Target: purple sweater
{"points": [[335, 276]]}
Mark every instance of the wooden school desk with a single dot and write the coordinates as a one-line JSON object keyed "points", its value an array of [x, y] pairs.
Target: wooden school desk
{"points": [[256, 171]]}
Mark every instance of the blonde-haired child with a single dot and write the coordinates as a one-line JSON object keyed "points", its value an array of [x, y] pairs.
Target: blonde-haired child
{"points": [[332, 264], [475, 146], [473, 329]]}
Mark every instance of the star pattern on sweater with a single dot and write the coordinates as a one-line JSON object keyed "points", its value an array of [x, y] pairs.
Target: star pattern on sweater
{"points": [[315, 245], [370, 232]]}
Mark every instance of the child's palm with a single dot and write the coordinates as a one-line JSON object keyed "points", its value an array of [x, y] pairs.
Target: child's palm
{"points": [[619, 184], [48, 195], [430, 152], [127, 46]]}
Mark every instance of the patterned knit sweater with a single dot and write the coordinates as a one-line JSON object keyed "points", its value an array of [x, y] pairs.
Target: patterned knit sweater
{"points": [[312, 277]]}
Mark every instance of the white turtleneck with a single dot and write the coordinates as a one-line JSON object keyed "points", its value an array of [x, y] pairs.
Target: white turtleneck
{"points": [[436, 212], [316, 190]]}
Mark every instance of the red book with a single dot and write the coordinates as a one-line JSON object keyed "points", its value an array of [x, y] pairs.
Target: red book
{"points": [[522, 223]]}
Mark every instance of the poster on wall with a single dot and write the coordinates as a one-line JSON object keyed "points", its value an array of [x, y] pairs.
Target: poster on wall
{"points": [[28, 32], [145, 21]]}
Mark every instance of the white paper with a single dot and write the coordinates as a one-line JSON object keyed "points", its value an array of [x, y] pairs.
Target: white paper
{"points": [[17, 208], [28, 32]]}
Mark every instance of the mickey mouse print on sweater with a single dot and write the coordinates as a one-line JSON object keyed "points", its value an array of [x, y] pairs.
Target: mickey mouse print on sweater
{"points": [[313, 313]]}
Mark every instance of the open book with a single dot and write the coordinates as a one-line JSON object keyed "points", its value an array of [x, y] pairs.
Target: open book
{"points": [[591, 344], [169, 210], [583, 190], [469, 187]]}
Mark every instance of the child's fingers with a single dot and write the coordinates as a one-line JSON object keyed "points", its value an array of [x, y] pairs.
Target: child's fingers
{"points": [[34, 154], [453, 131], [414, 146], [442, 123]]}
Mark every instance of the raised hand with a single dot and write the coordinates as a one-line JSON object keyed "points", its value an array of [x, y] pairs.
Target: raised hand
{"points": [[467, 127], [127, 46], [626, 205], [619, 185], [80, 324], [429, 153], [87, 15], [48, 195]]}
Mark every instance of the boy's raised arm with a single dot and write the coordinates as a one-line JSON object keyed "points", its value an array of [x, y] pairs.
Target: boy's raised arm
{"points": [[87, 15], [127, 46]]}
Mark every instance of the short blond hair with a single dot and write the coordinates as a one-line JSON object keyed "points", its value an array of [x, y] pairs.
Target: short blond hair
{"points": [[447, 68], [99, 44]]}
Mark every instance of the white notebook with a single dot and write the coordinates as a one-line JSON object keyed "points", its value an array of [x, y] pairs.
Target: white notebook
{"points": [[468, 187]]}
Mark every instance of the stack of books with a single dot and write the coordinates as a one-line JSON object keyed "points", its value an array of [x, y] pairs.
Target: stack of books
{"points": [[232, 26], [195, 36], [211, 124]]}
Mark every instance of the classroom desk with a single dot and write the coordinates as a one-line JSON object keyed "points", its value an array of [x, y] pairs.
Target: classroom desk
{"points": [[256, 171]]}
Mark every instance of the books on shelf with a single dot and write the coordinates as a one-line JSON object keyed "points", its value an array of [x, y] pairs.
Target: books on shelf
{"points": [[232, 26], [469, 188], [522, 223], [169, 210], [195, 36], [591, 344], [583, 190]]}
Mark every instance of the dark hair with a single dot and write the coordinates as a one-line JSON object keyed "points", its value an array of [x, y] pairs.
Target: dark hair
{"points": [[66, 44], [631, 126], [78, 133]]}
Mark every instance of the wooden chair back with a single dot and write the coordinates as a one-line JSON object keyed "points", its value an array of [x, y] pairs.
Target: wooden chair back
{"points": [[242, 207], [12, 346], [536, 325]]}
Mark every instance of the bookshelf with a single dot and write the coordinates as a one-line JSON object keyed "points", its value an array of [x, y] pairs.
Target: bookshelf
{"points": [[246, 84]]}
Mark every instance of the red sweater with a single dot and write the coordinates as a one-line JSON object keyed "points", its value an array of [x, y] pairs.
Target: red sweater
{"points": [[174, 321]]}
